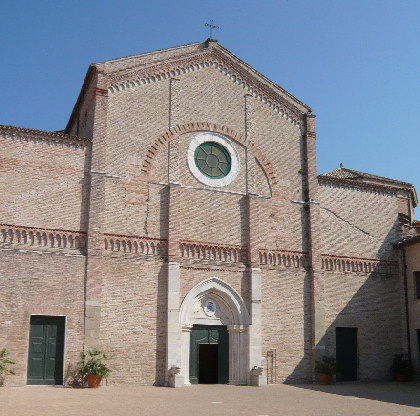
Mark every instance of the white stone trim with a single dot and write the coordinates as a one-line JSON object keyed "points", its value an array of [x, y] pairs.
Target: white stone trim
{"points": [[238, 327], [218, 287], [223, 141]]}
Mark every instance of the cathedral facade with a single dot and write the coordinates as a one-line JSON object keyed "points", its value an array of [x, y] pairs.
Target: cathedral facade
{"points": [[179, 225]]}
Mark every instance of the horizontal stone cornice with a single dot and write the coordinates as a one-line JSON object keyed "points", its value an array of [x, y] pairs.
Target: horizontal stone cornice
{"points": [[213, 267]]}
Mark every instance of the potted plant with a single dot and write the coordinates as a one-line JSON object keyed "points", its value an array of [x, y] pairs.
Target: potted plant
{"points": [[402, 369], [92, 367], [326, 368], [4, 365]]}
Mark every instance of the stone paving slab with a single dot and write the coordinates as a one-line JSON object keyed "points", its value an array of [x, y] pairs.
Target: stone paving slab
{"points": [[370, 399]]}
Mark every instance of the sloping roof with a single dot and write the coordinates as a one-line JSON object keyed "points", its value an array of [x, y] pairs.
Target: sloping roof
{"points": [[33, 133], [407, 241], [165, 62], [346, 175]]}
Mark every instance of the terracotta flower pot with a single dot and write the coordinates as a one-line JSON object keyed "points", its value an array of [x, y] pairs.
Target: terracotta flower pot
{"points": [[325, 378], [93, 381]]}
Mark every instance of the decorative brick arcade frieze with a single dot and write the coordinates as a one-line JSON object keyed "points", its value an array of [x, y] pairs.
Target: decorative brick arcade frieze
{"points": [[116, 243], [333, 263], [31, 238], [238, 75], [209, 251], [284, 258]]}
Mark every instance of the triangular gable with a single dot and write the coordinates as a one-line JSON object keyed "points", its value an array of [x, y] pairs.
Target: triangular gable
{"points": [[132, 71]]}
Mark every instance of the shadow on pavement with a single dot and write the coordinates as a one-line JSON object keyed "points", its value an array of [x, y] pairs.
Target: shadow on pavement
{"points": [[407, 394]]}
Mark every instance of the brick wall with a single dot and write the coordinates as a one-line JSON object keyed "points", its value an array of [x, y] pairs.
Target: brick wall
{"points": [[133, 208], [40, 283], [413, 265], [285, 322], [43, 180], [362, 223], [133, 330], [358, 222]]}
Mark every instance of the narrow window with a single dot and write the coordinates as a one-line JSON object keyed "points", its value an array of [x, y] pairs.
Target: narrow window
{"points": [[417, 285], [418, 343]]}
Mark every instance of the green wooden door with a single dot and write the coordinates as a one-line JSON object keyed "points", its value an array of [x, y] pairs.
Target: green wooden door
{"points": [[346, 354], [46, 350], [212, 335]]}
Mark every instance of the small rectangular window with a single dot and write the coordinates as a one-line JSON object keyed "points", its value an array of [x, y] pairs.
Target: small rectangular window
{"points": [[417, 285]]}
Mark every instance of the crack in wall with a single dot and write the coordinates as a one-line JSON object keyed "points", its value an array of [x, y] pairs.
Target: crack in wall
{"points": [[147, 210], [349, 223]]}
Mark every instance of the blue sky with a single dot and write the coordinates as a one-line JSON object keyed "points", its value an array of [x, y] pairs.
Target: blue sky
{"points": [[356, 63]]}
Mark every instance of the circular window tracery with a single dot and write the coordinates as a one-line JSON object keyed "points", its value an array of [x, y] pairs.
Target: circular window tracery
{"points": [[213, 160]]}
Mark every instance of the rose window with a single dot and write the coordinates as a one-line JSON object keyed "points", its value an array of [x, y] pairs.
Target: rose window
{"points": [[213, 160]]}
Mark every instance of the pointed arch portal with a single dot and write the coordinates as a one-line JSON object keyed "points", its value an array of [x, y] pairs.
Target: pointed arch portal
{"points": [[214, 305]]}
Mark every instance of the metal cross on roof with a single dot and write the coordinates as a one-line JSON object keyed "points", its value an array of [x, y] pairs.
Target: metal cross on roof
{"points": [[211, 26]]}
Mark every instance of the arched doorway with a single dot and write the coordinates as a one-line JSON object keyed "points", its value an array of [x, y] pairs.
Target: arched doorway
{"points": [[215, 325]]}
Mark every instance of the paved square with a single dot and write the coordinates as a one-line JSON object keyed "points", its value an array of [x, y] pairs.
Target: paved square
{"points": [[370, 399]]}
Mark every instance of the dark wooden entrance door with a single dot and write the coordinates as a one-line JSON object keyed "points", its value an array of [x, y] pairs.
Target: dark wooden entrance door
{"points": [[209, 355], [46, 350], [346, 354]]}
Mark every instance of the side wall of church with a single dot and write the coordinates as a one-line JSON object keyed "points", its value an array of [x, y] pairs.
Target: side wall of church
{"points": [[43, 219], [40, 283], [371, 303], [358, 222], [413, 292], [48, 178], [362, 224]]}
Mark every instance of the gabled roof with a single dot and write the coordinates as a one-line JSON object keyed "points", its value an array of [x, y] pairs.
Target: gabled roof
{"points": [[165, 63], [351, 174], [346, 175]]}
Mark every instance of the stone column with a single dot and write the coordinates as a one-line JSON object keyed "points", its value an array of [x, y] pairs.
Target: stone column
{"points": [[238, 366], [174, 340], [185, 350], [255, 336]]}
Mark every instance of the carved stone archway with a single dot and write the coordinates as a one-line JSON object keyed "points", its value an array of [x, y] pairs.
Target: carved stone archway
{"points": [[230, 310]]}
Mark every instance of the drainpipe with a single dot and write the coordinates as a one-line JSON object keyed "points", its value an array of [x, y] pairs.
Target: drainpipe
{"points": [[407, 315]]}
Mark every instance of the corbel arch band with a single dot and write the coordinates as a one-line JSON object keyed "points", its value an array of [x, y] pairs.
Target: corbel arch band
{"points": [[169, 134]]}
